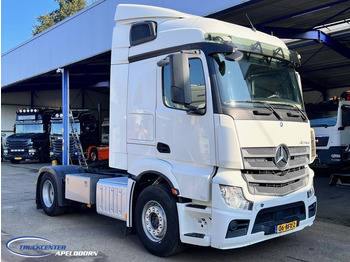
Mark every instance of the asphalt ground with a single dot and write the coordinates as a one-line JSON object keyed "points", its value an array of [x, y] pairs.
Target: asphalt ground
{"points": [[327, 240]]}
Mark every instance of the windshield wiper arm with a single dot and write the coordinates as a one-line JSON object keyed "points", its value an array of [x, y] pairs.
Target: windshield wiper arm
{"points": [[267, 105], [303, 116]]}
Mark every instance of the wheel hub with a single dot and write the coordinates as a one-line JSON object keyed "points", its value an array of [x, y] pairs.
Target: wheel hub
{"points": [[154, 221], [48, 193]]}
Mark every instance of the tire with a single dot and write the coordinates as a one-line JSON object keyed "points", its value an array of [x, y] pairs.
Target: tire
{"points": [[93, 156], [14, 161], [49, 196], [156, 221]]}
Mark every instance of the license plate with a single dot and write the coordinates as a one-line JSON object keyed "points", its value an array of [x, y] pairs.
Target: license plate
{"points": [[286, 226], [18, 158]]}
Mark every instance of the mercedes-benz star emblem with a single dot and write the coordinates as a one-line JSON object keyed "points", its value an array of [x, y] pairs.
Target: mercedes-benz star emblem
{"points": [[282, 157]]}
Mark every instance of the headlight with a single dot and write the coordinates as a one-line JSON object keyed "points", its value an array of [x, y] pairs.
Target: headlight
{"points": [[233, 197], [313, 145], [311, 191]]}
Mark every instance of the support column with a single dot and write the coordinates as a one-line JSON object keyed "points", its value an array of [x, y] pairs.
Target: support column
{"points": [[65, 118]]}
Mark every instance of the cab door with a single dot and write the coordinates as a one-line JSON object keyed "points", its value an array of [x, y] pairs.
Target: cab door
{"points": [[184, 138]]}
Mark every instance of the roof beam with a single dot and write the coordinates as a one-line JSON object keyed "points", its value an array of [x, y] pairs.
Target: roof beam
{"points": [[330, 18], [315, 35], [304, 12], [234, 8]]}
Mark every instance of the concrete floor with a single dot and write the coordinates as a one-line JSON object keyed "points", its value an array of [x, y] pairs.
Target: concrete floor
{"points": [[326, 240]]}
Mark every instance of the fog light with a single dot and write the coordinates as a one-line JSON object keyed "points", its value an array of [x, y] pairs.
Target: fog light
{"points": [[233, 225], [6, 151], [233, 197]]}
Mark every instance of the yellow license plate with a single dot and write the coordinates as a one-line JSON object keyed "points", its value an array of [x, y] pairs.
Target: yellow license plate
{"points": [[18, 158], [286, 226]]}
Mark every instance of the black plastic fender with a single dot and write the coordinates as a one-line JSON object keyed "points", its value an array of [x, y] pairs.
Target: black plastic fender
{"points": [[59, 173]]}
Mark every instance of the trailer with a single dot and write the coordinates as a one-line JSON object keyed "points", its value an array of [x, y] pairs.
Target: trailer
{"points": [[209, 141]]}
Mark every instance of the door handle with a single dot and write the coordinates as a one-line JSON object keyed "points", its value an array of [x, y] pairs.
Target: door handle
{"points": [[163, 148]]}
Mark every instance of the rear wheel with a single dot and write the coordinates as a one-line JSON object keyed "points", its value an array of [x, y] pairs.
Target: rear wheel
{"points": [[93, 156], [49, 196], [157, 221]]}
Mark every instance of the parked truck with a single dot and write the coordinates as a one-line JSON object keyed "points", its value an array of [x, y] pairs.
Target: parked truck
{"points": [[209, 141], [99, 153], [84, 123], [331, 122], [31, 137]]}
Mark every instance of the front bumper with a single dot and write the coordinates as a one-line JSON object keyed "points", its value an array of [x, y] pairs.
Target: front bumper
{"points": [[21, 155], [331, 156], [258, 230], [217, 225]]}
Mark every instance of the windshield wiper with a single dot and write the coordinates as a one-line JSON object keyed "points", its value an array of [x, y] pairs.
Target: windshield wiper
{"points": [[302, 114], [267, 105]]}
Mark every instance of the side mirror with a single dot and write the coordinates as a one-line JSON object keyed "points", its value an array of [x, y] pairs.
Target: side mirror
{"points": [[180, 79]]}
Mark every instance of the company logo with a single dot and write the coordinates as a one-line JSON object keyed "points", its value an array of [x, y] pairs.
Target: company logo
{"points": [[32, 247], [282, 157]]}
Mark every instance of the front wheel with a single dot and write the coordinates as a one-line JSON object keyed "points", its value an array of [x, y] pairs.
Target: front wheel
{"points": [[49, 196], [157, 221]]}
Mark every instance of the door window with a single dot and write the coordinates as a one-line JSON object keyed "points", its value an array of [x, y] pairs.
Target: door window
{"points": [[197, 86]]}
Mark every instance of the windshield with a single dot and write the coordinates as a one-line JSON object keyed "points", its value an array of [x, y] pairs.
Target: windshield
{"points": [[56, 128], [323, 114], [257, 78], [29, 129]]}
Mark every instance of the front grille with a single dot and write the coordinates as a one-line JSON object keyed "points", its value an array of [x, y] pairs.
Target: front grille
{"points": [[274, 183], [267, 219], [322, 140], [264, 178], [256, 158], [57, 147], [17, 144]]}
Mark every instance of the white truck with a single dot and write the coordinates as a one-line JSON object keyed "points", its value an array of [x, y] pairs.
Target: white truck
{"points": [[331, 123], [208, 138]]}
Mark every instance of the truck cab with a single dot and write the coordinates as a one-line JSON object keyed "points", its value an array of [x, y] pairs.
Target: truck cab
{"points": [[331, 122], [82, 122], [31, 138], [209, 141]]}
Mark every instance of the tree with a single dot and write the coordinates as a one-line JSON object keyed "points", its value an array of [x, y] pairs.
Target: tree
{"points": [[66, 8]]}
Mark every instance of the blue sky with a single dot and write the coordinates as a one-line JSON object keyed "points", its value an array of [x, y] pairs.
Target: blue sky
{"points": [[18, 18]]}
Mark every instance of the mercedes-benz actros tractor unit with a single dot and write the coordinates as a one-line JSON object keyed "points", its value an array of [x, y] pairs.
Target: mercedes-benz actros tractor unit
{"points": [[209, 141]]}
